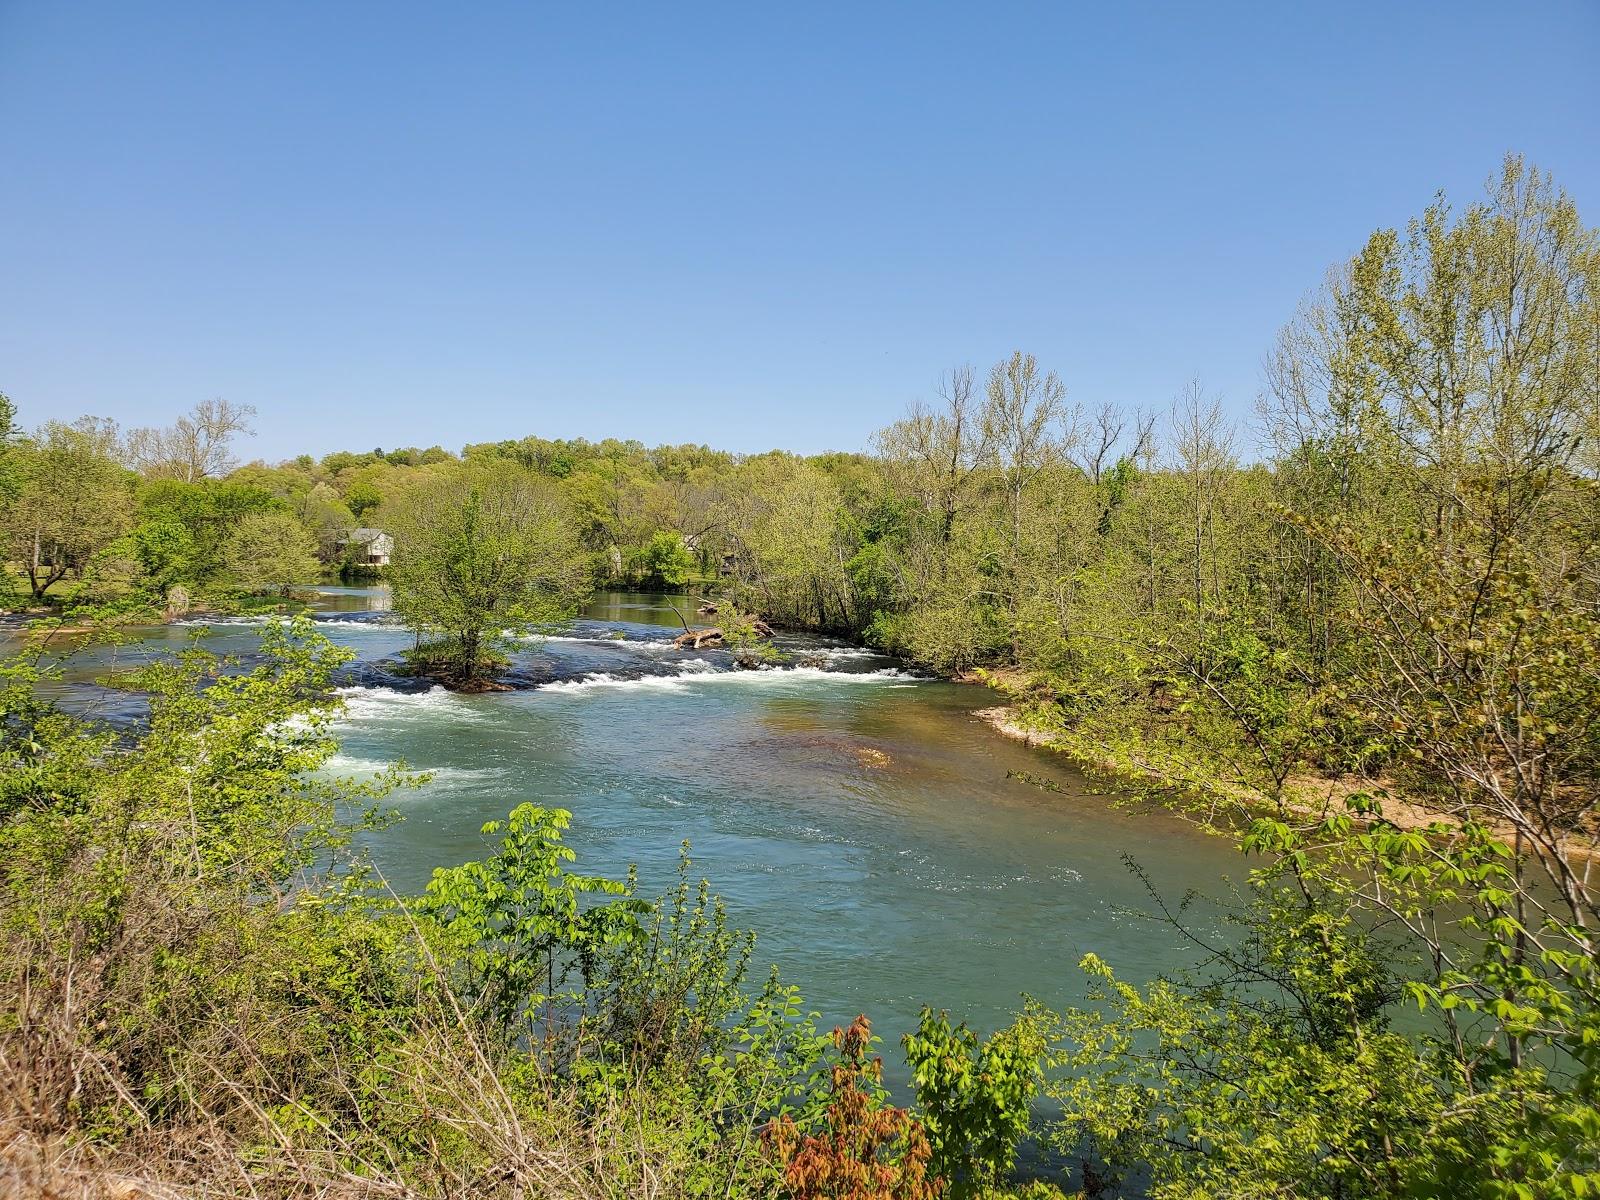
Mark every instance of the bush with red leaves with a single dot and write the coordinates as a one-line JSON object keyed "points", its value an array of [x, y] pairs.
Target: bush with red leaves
{"points": [[870, 1151]]}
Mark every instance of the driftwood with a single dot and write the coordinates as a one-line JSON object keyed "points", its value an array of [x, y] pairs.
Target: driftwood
{"points": [[707, 610], [713, 638], [699, 639]]}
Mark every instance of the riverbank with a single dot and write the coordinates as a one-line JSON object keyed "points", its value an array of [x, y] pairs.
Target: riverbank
{"points": [[1309, 795]]}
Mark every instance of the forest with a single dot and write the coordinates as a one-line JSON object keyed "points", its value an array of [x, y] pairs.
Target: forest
{"points": [[1360, 639]]}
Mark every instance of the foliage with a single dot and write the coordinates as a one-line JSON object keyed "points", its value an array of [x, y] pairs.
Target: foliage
{"points": [[1274, 1072], [152, 899], [208, 985], [866, 1149], [1369, 657], [973, 1100], [71, 501], [270, 551], [483, 559], [666, 561], [518, 915]]}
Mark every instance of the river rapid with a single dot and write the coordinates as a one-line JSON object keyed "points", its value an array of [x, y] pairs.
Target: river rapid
{"points": [[858, 817]]}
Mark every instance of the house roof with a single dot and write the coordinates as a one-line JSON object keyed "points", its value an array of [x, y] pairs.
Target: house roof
{"points": [[365, 535]]}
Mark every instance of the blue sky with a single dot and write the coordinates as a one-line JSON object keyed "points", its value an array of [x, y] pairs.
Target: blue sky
{"points": [[752, 225]]}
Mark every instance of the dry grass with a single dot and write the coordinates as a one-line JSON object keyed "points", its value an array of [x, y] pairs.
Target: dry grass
{"points": [[440, 1121]]}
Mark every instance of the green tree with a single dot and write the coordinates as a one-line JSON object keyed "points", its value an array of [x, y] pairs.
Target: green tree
{"points": [[974, 1100], [72, 501], [1424, 607], [362, 497], [210, 511], [9, 483], [519, 914], [270, 551], [666, 561], [483, 555], [165, 550], [326, 517]]}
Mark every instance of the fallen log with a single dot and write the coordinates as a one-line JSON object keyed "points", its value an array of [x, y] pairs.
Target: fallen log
{"points": [[699, 639]]}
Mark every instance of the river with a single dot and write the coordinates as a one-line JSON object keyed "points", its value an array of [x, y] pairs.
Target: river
{"points": [[859, 818]]}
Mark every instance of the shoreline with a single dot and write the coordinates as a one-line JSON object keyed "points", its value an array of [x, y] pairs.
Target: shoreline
{"points": [[1005, 719]]}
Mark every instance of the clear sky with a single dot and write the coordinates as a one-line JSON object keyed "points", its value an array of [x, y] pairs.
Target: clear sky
{"points": [[754, 225]]}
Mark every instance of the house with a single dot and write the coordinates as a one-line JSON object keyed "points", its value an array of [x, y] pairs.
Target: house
{"points": [[368, 547]]}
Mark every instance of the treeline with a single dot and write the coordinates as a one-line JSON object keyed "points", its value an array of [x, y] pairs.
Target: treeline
{"points": [[93, 514]]}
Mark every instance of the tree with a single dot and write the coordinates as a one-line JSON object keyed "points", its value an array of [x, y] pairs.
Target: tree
{"points": [[72, 500], [936, 452], [270, 551], [195, 447], [482, 555], [1423, 612], [211, 511], [9, 483], [322, 512], [1020, 415], [1204, 448], [788, 553], [666, 561], [362, 497], [165, 550], [521, 918]]}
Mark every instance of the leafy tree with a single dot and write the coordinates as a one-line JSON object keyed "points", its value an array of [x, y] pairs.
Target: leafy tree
{"points": [[480, 556], [1427, 612], [270, 551], [9, 483], [674, 1003], [519, 913], [73, 500], [166, 551], [666, 561], [210, 511], [326, 517], [362, 497]]}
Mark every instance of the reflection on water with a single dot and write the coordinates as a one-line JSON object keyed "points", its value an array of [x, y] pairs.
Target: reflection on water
{"points": [[353, 599], [859, 818]]}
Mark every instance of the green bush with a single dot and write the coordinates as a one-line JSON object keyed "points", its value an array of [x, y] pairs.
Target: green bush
{"points": [[974, 1099]]}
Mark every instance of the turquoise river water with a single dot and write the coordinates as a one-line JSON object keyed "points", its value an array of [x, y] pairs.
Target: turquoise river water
{"points": [[858, 817]]}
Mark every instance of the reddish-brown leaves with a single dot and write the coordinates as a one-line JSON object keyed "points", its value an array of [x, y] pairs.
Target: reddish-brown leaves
{"points": [[871, 1151]]}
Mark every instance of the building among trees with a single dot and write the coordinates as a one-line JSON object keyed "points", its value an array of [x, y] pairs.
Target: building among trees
{"points": [[368, 547]]}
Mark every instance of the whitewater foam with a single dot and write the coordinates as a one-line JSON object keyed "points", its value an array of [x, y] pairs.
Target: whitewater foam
{"points": [[699, 673], [352, 765], [388, 704], [639, 645]]}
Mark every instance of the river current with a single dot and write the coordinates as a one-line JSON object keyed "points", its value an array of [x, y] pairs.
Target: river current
{"points": [[858, 817]]}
